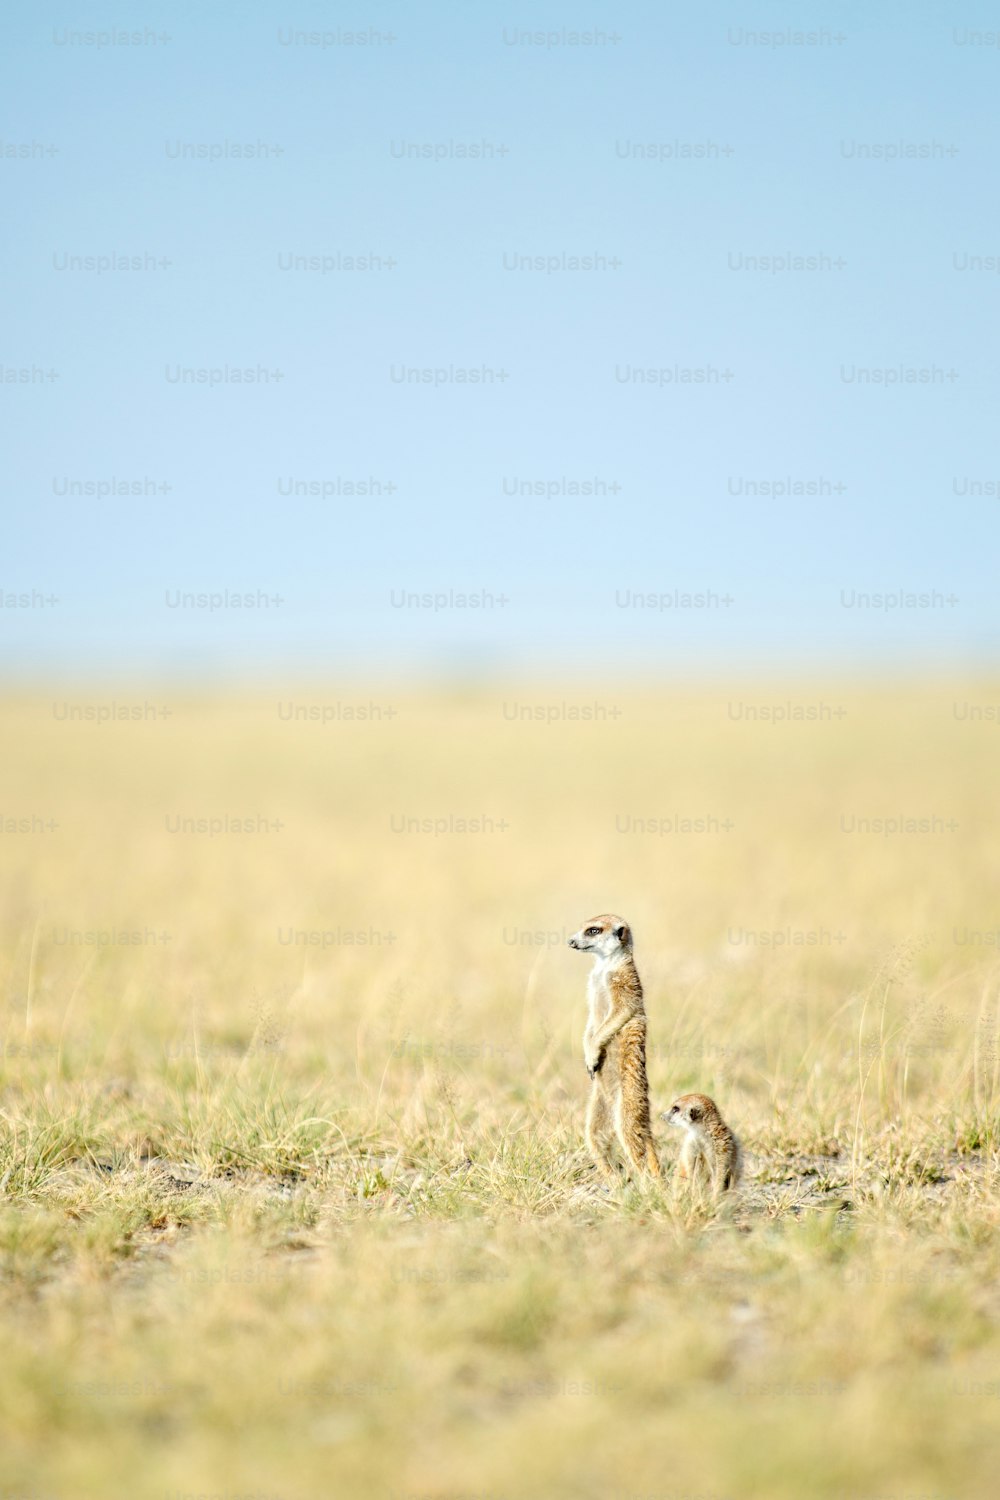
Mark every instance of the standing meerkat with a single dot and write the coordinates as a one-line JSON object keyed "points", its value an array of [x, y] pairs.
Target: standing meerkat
{"points": [[614, 1048], [711, 1152]]}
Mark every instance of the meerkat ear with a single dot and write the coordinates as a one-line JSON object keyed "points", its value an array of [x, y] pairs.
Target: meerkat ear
{"points": [[621, 933], [696, 1112]]}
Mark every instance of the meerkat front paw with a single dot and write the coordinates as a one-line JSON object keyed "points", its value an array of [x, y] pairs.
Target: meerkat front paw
{"points": [[594, 1061]]}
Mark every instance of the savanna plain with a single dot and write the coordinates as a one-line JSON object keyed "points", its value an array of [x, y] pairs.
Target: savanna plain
{"points": [[294, 1201]]}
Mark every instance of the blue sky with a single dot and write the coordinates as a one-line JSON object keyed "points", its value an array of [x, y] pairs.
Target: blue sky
{"points": [[752, 147]]}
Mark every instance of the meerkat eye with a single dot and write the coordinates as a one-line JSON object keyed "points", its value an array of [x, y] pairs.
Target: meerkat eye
{"points": [[592, 932]]}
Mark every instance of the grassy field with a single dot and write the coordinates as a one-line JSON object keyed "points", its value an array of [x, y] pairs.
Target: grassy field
{"points": [[293, 1195]]}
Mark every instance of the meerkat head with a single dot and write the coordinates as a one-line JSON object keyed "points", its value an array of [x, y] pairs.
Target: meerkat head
{"points": [[605, 937], [691, 1111]]}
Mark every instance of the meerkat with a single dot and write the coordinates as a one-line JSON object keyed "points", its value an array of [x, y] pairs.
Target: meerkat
{"points": [[711, 1152], [614, 1049]]}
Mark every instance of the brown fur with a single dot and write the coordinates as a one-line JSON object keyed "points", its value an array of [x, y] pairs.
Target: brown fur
{"points": [[614, 1044], [711, 1155]]}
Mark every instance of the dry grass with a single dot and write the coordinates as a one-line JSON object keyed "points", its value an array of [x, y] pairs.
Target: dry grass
{"points": [[296, 1220]]}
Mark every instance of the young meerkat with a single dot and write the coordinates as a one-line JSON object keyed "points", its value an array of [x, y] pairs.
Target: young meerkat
{"points": [[614, 1049], [711, 1153]]}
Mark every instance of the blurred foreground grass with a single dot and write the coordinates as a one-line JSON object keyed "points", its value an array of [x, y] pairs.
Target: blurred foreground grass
{"points": [[293, 1201]]}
